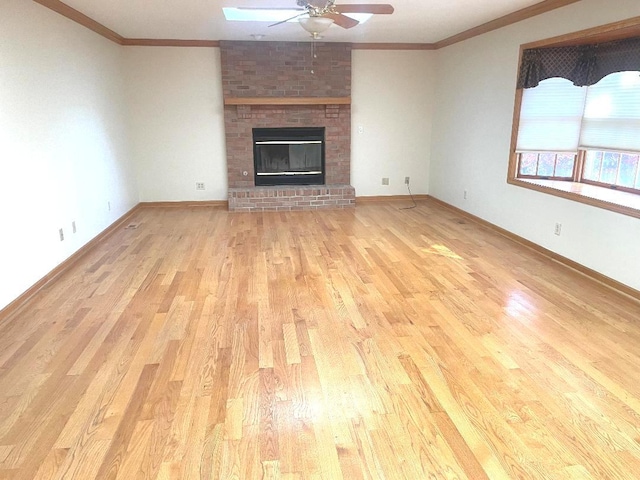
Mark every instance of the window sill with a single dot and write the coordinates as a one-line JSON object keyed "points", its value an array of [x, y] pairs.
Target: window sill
{"points": [[607, 198]]}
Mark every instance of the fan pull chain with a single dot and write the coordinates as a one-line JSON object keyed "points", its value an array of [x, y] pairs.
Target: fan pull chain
{"points": [[313, 55]]}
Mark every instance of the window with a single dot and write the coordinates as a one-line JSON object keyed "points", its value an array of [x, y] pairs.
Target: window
{"points": [[577, 119], [589, 134], [547, 165], [612, 169]]}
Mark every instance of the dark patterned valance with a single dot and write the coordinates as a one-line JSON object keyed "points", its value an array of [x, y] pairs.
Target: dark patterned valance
{"points": [[583, 64]]}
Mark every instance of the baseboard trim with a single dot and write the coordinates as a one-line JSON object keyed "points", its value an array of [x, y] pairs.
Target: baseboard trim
{"points": [[189, 203], [20, 302], [16, 305], [387, 198], [609, 282]]}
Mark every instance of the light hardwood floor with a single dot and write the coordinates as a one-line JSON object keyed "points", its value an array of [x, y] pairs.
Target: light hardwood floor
{"points": [[370, 344]]}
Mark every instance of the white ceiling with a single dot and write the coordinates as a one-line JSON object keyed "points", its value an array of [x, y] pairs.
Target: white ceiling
{"points": [[414, 21]]}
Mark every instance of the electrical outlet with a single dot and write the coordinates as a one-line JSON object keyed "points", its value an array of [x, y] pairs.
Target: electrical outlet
{"points": [[558, 229], [360, 129], [61, 233], [406, 180], [465, 194], [73, 227], [199, 186], [385, 180], [109, 206]]}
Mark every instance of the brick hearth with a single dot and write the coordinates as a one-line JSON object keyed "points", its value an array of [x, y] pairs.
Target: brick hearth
{"points": [[261, 199], [276, 72]]}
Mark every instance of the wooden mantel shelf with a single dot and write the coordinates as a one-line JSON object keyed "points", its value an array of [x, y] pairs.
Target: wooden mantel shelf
{"points": [[287, 101]]}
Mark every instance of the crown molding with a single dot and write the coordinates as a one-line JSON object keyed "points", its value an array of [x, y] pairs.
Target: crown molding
{"points": [[168, 42], [81, 19], [523, 14], [604, 33], [393, 46], [515, 17]]}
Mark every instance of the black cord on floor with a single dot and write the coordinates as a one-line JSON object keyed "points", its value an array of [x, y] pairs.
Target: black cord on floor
{"points": [[412, 199]]}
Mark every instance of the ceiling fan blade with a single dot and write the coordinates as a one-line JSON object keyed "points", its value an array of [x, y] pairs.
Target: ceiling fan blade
{"points": [[285, 21], [377, 8], [270, 8], [342, 20]]}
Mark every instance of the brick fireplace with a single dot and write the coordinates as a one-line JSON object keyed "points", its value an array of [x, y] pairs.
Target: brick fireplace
{"points": [[271, 85]]}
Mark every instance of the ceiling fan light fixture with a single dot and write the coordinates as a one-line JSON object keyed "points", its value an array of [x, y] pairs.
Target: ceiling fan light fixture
{"points": [[315, 25]]}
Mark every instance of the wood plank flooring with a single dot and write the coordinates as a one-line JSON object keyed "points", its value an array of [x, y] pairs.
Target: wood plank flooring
{"points": [[370, 344]]}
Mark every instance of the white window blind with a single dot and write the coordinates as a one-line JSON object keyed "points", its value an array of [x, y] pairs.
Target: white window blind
{"points": [[612, 113], [551, 117]]}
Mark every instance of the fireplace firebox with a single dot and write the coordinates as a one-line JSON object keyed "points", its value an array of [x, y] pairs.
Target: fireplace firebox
{"points": [[289, 156]]}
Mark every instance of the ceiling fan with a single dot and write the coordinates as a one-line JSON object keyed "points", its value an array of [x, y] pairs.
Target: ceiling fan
{"points": [[318, 15]]}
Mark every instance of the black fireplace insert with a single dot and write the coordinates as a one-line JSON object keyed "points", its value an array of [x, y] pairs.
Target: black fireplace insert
{"points": [[288, 156]]}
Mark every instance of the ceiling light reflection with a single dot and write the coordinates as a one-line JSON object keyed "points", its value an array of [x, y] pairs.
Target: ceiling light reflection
{"points": [[519, 307], [442, 251]]}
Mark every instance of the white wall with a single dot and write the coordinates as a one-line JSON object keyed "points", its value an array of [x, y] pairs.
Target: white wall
{"points": [[63, 143], [176, 118], [392, 100], [475, 89], [177, 121]]}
